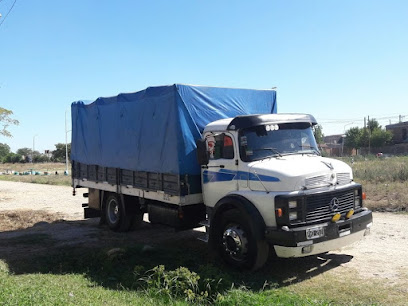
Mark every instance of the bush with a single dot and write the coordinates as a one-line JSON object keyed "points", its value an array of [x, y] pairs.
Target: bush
{"points": [[179, 283]]}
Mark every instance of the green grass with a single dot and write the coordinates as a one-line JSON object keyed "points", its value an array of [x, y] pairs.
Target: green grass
{"points": [[29, 239], [385, 180], [50, 179], [379, 170], [132, 275], [60, 180], [87, 277]]}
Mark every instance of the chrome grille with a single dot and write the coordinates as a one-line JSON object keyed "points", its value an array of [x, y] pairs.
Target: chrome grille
{"points": [[318, 181], [318, 206], [343, 178]]}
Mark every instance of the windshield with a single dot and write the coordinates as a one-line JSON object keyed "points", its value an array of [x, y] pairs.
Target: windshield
{"points": [[259, 142]]}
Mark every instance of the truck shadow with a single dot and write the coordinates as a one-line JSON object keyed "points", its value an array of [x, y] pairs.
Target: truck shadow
{"points": [[121, 259]]}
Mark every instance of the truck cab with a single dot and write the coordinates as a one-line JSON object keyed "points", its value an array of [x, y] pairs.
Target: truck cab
{"points": [[266, 186]]}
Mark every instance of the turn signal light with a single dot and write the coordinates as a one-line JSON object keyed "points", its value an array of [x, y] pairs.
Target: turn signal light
{"points": [[336, 217], [279, 212], [350, 213], [364, 196]]}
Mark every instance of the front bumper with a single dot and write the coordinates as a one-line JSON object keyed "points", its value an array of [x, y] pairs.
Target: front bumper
{"points": [[292, 242]]}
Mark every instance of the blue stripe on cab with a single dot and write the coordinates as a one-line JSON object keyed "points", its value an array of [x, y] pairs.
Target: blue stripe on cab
{"points": [[225, 175]]}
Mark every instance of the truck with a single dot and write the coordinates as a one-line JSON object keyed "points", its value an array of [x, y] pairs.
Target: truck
{"points": [[223, 158]]}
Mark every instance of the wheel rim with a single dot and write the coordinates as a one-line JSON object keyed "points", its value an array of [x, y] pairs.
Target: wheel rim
{"points": [[235, 242], [113, 211]]}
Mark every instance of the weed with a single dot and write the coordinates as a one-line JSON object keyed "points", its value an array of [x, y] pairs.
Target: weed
{"points": [[179, 283]]}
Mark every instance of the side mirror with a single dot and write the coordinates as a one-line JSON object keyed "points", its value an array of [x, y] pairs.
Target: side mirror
{"points": [[203, 157]]}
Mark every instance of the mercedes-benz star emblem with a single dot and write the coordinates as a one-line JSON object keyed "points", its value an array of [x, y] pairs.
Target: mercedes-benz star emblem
{"points": [[334, 204]]}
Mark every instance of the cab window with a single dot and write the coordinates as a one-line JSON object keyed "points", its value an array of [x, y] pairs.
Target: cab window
{"points": [[221, 146]]}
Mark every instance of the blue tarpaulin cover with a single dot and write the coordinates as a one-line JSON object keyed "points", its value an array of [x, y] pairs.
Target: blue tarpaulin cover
{"points": [[155, 129]]}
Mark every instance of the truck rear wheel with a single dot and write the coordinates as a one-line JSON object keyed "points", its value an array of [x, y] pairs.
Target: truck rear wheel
{"points": [[237, 243], [115, 214]]}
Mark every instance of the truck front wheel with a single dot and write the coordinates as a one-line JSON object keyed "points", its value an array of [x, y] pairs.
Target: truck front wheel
{"points": [[237, 242], [115, 214]]}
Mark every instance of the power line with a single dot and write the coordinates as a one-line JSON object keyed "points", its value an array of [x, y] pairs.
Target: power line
{"points": [[11, 8], [340, 121]]}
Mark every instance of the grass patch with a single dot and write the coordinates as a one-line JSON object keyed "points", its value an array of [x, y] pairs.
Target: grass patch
{"points": [[50, 168], [386, 197], [39, 167], [349, 289], [379, 170], [59, 180], [177, 275], [30, 239], [385, 180], [21, 219]]}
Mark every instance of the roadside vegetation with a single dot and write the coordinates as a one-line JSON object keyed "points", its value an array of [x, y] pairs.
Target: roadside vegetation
{"points": [[126, 273], [37, 173], [384, 179], [122, 272]]}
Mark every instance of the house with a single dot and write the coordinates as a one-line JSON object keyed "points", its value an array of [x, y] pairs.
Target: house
{"points": [[399, 132], [334, 146]]}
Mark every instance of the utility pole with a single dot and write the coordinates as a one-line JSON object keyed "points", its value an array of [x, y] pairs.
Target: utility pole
{"points": [[369, 136], [32, 153], [66, 143]]}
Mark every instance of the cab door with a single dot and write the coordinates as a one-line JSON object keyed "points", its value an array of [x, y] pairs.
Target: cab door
{"points": [[219, 177]]}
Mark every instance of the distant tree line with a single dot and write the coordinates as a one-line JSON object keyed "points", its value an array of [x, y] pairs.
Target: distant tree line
{"points": [[373, 135], [26, 155]]}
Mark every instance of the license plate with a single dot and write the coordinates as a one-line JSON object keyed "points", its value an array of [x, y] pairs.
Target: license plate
{"points": [[315, 232]]}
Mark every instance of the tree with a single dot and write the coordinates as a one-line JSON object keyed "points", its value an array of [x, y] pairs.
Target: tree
{"points": [[13, 158], [372, 136], [373, 125], [25, 151], [4, 150], [380, 137], [365, 137], [6, 121], [318, 133], [58, 154], [353, 136], [41, 158], [28, 154]]}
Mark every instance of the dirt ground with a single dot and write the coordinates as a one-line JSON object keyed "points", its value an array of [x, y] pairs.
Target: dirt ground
{"points": [[52, 210]]}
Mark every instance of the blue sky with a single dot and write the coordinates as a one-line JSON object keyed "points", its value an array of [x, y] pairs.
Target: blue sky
{"points": [[338, 60]]}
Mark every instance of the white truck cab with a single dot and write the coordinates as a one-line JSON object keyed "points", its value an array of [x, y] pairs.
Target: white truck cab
{"points": [[265, 183]]}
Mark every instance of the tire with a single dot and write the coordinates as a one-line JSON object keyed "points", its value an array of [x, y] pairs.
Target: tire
{"points": [[115, 214], [237, 242]]}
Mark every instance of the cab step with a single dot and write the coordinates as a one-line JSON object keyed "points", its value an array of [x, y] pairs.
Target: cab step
{"points": [[204, 237], [205, 223]]}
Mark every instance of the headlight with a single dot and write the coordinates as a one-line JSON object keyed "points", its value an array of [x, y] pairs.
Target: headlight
{"points": [[292, 204], [293, 215]]}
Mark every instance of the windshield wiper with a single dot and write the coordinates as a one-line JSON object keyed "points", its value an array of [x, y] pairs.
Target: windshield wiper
{"points": [[312, 148], [274, 150]]}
